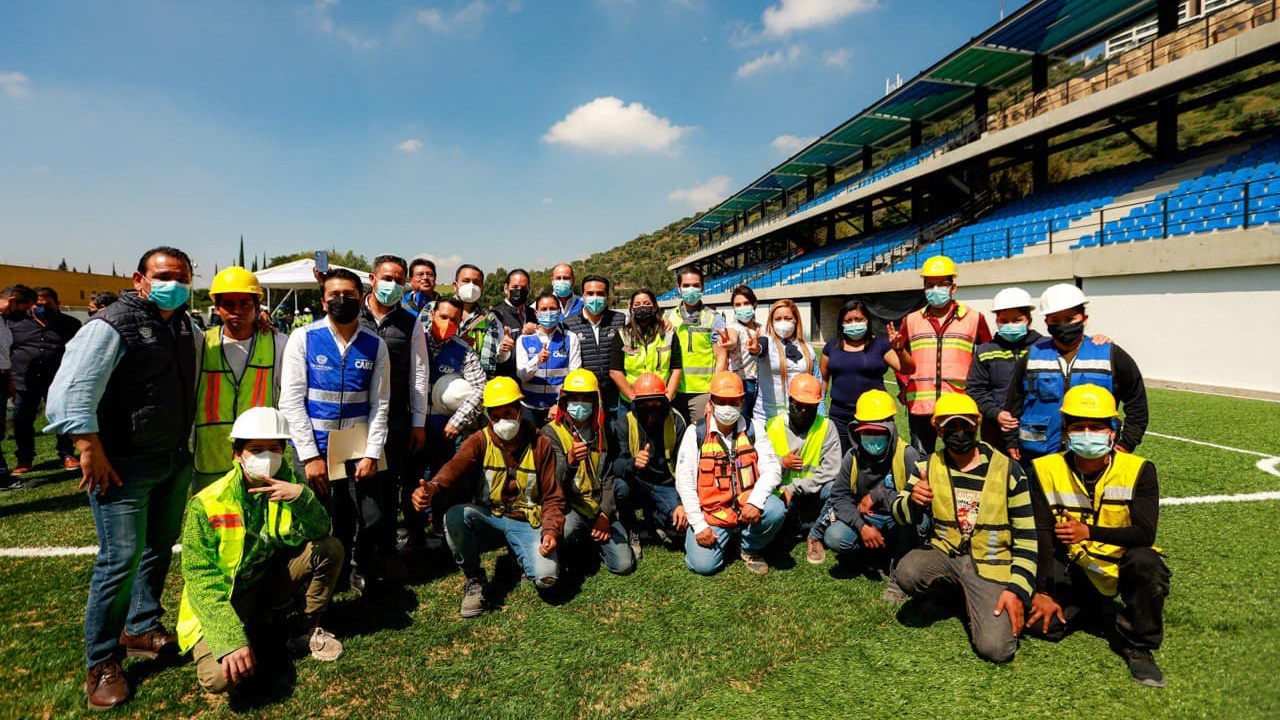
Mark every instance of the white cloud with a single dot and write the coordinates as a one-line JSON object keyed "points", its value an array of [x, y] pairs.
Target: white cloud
{"points": [[791, 144], [322, 13], [14, 84], [777, 58], [546, 201], [839, 57], [467, 17], [446, 266], [609, 126], [794, 15], [704, 195], [412, 146]]}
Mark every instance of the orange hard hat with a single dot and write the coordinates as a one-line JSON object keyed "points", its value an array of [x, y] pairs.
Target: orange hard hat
{"points": [[648, 384], [806, 389], [727, 384]]}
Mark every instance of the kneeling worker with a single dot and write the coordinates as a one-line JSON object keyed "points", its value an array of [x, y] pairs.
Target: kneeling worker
{"points": [[510, 471], [648, 441], [251, 539], [726, 482], [1102, 506], [807, 445]]}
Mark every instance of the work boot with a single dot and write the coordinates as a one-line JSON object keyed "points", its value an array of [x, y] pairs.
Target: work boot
{"points": [[150, 644], [755, 563], [893, 592], [106, 686], [318, 643], [815, 552], [472, 598], [1143, 668], [633, 539]]}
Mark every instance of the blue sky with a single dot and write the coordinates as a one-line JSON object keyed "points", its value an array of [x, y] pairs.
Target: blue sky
{"points": [[499, 132]]}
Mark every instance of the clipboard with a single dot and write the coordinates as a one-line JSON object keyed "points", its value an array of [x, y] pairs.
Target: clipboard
{"points": [[346, 448]]}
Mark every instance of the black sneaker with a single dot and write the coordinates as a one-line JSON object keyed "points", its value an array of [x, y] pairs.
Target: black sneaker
{"points": [[1143, 668]]}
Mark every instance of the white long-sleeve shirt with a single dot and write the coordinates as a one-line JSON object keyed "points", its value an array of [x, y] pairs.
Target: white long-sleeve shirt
{"points": [[528, 364], [687, 471], [293, 393]]}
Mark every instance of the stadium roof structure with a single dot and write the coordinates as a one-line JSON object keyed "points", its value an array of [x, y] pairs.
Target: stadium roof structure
{"points": [[998, 58]]}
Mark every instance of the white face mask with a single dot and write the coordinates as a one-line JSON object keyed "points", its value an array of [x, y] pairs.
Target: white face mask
{"points": [[469, 292], [727, 414], [506, 429], [262, 464], [784, 328]]}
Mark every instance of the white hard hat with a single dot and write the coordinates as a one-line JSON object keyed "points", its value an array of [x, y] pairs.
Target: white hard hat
{"points": [[1012, 298], [260, 423], [1064, 296], [450, 392]]}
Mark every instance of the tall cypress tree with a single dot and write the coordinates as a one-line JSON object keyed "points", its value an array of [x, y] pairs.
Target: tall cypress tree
{"points": [[241, 250]]}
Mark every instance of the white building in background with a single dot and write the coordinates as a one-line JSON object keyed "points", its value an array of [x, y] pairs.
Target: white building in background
{"points": [[1139, 34]]}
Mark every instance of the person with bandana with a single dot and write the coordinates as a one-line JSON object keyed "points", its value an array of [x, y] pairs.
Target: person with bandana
{"points": [[40, 338], [544, 358], [592, 493], [336, 376], [726, 482], [125, 393], [643, 345], [648, 443], [983, 540], [941, 336], [562, 288], [507, 471], [1033, 409], [422, 295]]}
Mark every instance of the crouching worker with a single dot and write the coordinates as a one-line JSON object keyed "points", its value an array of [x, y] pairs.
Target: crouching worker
{"points": [[807, 446], [577, 441], [983, 540], [510, 472], [251, 539], [1099, 526], [726, 482], [648, 440]]}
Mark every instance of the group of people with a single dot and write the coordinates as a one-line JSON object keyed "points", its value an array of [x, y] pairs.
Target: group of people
{"points": [[569, 432]]}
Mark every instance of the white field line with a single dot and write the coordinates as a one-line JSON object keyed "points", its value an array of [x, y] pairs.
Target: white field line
{"points": [[23, 552]]}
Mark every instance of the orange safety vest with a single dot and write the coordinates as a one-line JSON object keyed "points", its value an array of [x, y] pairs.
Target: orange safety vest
{"points": [[942, 359], [725, 482]]}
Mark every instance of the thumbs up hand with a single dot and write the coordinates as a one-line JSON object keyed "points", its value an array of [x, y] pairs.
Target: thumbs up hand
{"points": [[921, 493], [642, 457], [507, 341]]}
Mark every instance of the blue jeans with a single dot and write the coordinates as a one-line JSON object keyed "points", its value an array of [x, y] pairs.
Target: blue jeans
{"points": [[750, 389], [137, 524], [840, 537], [472, 529], [664, 499], [752, 538], [614, 552]]}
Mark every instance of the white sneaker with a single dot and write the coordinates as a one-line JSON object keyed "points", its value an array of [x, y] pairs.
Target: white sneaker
{"points": [[319, 643]]}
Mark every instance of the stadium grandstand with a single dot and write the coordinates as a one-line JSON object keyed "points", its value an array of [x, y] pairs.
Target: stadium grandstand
{"points": [[967, 159]]}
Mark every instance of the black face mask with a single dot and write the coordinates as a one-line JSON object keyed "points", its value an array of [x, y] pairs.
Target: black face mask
{"points": [[518, 296], [644, 314], [343, 309], [961, 442], [802, 416], [1067, 333]]}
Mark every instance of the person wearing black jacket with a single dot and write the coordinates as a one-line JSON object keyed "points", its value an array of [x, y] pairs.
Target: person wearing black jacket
{"points": [[595, 327], [40, 337], [517, 317]]}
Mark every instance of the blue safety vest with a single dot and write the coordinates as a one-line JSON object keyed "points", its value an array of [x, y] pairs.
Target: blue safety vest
{"points": [[1040, 425], [446, 360], [337, 384], [543, 387]]}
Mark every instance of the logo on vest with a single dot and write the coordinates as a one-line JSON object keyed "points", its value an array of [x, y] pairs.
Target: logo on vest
{"points": [[446, 369], [364, 364], [146, 333], [322, 359]]}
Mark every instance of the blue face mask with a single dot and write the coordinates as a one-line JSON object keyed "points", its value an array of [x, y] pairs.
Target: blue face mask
{"points": [[938, 296], [40, 311], [745, 314], [1089, 444], [579, 410], [875, 445], [594, 304], [1013, 332], [691, 295], [549, 318], [169, 294], [854, 330], [388, 292], [561, 288]]}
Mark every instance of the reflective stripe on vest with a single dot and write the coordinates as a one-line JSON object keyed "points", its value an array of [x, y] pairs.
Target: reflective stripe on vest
{"points": [[668, 438], [810, 451], [543, 387], [724, 481], [338, 384], [447, 360], [584, 490], [991, 544], [654, 357], [1040, 424], [946, 355], [220, 397], [697, 349], [1108, 508], [496, 473]]}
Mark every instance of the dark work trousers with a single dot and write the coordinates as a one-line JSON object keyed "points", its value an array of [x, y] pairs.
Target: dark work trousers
{"points": [[397, 453], [439, 451], [26, 406], [356, 510], [4, 415], [923, 435], [1144, 584]]}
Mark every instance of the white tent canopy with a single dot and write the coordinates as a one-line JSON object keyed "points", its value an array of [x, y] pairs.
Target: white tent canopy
{"points": [[298, 275]]}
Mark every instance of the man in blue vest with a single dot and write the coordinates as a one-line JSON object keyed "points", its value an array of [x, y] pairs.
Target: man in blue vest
{"points": [[335, 377], [422, 295], [544, 358], [1064, 360], [125, 392]]}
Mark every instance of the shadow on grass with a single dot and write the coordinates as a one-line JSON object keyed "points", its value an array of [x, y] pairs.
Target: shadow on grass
{"points": [[57, 503], [388, 607], [272, 683]]}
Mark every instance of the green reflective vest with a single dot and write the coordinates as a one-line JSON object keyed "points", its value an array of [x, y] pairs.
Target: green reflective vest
{"points": [[584, 491], [654, 357], [697, 349], [496, 472], [810, 451]]}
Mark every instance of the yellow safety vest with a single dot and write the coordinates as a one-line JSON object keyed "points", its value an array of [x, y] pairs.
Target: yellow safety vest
{"points": [[496, 472], [668, 438], [1108, 508], [220, 398], [810, 451], [654, 357], [697, 350], [898, 465], [584, 493], [991, 543]]}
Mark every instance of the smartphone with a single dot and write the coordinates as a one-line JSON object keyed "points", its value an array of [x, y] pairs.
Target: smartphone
{"points": [[322, 261]]}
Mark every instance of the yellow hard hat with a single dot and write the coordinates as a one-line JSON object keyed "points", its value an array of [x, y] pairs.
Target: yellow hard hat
{"points": [[1089, 401], [954, 404], [938, 266], [580, 381], [235, 279], [874, 406], [501, 391]]}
